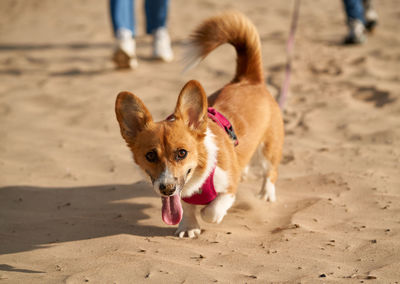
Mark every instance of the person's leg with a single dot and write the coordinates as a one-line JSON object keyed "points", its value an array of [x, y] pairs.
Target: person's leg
{"points": [[122, 15], [156, 14], [355, 21], [354, 10], [156, 22], [122, 18]]}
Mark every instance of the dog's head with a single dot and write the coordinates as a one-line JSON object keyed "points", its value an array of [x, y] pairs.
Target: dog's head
{"points": [[169, 151]]}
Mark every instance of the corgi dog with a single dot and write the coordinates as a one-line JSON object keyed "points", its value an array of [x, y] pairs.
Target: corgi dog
{"points": [[196, 156]]}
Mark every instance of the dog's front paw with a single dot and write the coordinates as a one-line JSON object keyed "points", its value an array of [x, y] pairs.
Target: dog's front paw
{"points": [[217, 209], [187, 231], [211, 215]]}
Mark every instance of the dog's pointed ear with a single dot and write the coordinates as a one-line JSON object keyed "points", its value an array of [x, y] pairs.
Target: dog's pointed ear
{"points": [[192, 106], [132, 115]]}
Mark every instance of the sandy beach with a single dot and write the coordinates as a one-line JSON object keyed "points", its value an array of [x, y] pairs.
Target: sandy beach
{"points": [[74, 208]]}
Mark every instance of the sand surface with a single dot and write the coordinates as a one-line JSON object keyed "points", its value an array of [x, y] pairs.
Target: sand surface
{"points": [[74, 209]]}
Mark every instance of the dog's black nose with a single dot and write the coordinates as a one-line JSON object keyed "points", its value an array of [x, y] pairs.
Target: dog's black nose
{"points": [[167, 189]]}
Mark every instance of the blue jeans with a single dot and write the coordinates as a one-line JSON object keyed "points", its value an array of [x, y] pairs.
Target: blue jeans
{"points": [[123, 14], [354, 10]]}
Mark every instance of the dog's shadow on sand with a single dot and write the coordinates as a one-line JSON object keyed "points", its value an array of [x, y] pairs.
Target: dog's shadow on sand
{"points": [[34, 217]]}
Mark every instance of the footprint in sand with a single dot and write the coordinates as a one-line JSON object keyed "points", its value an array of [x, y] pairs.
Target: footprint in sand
{"points": [[373, 95], [392, 55], [330, 68], [294, 120]]}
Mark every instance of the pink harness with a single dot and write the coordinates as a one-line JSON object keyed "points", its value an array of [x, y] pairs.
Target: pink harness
{"points": [[207, 191]]}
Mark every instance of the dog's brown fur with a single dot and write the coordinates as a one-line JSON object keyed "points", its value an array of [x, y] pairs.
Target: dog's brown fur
{"points": [[245, 101]]}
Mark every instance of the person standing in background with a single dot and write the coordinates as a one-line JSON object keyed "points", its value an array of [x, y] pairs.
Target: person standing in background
{"points": [[123, 22], [361, 17]]}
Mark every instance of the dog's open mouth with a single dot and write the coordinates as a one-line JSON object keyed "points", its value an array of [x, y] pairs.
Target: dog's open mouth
{"points": [[171, 209]]}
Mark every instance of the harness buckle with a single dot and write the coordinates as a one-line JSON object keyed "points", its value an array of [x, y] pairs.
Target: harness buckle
{"points": [[232, 134]]}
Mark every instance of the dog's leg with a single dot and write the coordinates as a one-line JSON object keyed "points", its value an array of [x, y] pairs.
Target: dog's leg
{"points": [[245, 173], [271, 156], [188, 224], [267, 191], [216, 210]]}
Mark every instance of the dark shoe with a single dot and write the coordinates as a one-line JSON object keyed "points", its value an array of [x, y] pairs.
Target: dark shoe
{"points": [[370, 15], [356, 33]]}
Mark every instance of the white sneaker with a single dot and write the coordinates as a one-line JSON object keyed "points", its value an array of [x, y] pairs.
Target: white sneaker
{"points": [[125, 50], [162, 45]]}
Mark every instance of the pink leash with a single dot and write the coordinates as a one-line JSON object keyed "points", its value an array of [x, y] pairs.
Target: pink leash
{"points": [[289, 50]]}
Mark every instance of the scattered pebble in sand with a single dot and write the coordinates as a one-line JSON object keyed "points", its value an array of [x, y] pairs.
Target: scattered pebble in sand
{"points": [[247, 227], [198, 257], [364, 277], [64, 205]]}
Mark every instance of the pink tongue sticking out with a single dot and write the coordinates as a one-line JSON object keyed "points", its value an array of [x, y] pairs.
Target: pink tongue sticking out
{"points": [[171, 209]]}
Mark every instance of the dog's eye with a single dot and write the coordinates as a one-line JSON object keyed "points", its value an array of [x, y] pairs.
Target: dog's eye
{"points": [[181, 154], [151, 156]]}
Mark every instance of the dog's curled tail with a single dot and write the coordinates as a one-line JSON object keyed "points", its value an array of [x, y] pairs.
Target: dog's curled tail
{"points": [[234, 28]]}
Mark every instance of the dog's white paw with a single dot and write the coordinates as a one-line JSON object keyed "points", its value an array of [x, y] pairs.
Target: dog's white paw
{"points": [[245, 173], [266, 197], [190, 233], [211, 215], [217, 209], [267, 192]]}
